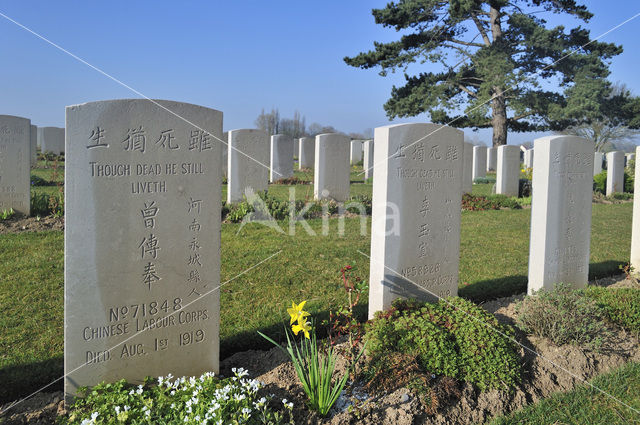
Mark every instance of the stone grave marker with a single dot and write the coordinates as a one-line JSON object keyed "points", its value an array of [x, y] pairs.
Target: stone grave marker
{"points": [[281, 157], [508, 172], [51, 139], [528, 158], [15, 164], [331, 171], [492, 159], [479, 162], [367, 161], [598, 158], [356, 151], [615, 172], [296, 148], [635, 227], [415, 231], [467, 167], [33, 143], [306, 152], [248, 159], [142, 241], [560, 212], [224, 150]]}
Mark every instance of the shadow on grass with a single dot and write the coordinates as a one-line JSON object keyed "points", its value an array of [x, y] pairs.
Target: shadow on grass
{"points": [[19, 381]]}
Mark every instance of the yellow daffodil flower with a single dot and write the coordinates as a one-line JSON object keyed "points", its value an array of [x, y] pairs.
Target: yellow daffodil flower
{"points": [[302, 326], [296, 312]]}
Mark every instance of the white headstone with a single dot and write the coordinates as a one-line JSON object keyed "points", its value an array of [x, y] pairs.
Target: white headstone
{"points": [[467, 167], [331, 172], [492, 159], [51, 139], [33, 143], [224, 150], [508, 172], [306, 152], [635, 228], [479, 162], [296, 148], [560, 212], [356, 151], [415, 231], [598, 158], [281, 157], [15, 160], [615, 172], [142, 241], [367, 161], [248, 158], [528, 158]]}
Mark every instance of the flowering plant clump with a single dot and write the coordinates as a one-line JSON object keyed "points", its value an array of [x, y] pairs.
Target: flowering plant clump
{"points": [[203, 400], [314, 369]]}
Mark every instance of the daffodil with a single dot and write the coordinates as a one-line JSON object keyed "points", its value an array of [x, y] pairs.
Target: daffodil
{"points": [[302, 326], [296, 312]]}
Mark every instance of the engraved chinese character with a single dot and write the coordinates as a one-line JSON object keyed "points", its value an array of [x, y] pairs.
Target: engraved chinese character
{"points": [[193, 292], [422, 249], [194, 204], [435, 153], [400, 152], [194, 276], [193, 245], [426, 207], [424, 231], [165, 140], [199, 140], [194, 226], [195, 259], [96, 137], [136, 140], [149, 246], [149, 213], [418, 152], [452, 153], [150, 276]]}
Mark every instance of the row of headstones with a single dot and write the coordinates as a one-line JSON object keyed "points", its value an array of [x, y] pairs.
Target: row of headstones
{"points": [[253, 160], [18, 142], [142, 230]]}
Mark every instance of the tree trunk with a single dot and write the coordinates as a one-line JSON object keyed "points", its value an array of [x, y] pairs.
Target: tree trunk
{"points": [[498, 104]]}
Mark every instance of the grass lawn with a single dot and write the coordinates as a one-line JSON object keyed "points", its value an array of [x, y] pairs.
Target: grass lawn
{"points": [[494, 254], [586, 405]]}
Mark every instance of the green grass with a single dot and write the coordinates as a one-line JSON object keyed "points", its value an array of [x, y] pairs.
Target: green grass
{"points": [[494, 255], [587, 405]]}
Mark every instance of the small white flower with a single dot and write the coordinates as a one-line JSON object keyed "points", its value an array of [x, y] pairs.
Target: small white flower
{"points": [[173, 405], [289, 405], [117, 409], [94, 416], [126, 408], [246, 411], [284, 401]]}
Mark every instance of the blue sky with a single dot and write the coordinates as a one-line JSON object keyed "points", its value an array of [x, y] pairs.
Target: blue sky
{"points": [[235, 56]]}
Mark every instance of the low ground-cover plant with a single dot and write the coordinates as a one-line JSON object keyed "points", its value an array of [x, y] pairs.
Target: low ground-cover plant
{"points": [[484, 180], [619, 305], [44, 204], [600, 181], [491, 202], [453, 338], [563, 315], [203, 400], [7, 214]]}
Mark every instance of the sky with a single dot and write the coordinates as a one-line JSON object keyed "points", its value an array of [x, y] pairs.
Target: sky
{"points": [[235, 56]]}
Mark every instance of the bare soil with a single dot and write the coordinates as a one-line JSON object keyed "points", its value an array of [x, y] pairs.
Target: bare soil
{"points": [[548, 369], [20, 223]]}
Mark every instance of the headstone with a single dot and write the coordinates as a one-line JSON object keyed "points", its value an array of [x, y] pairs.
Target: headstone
{"points": [[224, 150], [479, 162], [467, 167], [492, 159], [51, 140], [331, 171], [635, 227], [281, 157], [415, 231], [296, 148], [560, 212], [508, 172], [33, 143], [598, 158], [306, 152], [528, 158], [615, 172], [142, 241], [15, 159], [367, 161], [356, 151], [248, 159]]}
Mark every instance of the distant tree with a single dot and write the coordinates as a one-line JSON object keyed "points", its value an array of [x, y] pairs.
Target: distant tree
{"points": [[491, 55], [611, 126], [315, 129], [356, 136], [269, 122]]}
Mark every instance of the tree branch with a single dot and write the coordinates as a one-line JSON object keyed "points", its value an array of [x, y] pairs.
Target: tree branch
{"points": [[481, 29], [467, 91], [466, 43]]}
